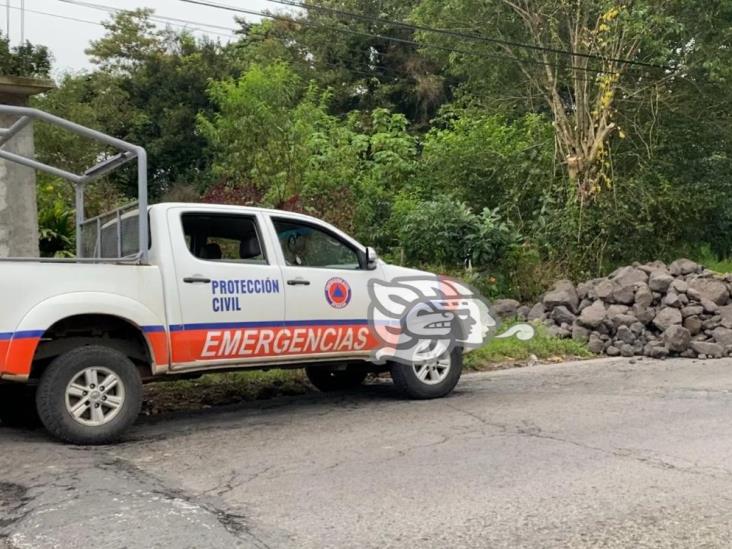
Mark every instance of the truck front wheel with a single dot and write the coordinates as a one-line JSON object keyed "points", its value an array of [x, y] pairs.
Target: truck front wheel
{"points": [[89, 395], [432, 379]]}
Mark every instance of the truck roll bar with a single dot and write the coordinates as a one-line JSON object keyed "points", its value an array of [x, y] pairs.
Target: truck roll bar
{"points": [[127, 153]]}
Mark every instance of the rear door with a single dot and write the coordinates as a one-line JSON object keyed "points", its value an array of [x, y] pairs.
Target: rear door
{"points": [[326, 288], [230, 291]]}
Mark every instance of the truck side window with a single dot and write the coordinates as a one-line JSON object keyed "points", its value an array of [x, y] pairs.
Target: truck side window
{"points": [[305, 245], [223, 237]]}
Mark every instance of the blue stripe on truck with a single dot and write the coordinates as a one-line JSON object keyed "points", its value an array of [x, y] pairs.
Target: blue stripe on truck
{"points": [[153, 328], [23, 334], [268, 324]]}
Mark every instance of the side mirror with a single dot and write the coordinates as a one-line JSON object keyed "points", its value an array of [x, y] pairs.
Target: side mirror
{"points": [[371, 258]]}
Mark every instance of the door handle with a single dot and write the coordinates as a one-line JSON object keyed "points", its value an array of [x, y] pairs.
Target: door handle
{"points": [[298, 282], [196, 280]]}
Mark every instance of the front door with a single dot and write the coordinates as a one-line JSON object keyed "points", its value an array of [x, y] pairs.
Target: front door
{"points": [[326, 289], [231, 293]]}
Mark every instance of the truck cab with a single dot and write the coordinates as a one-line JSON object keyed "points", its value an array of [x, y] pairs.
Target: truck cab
{"points": [[251, 286]]}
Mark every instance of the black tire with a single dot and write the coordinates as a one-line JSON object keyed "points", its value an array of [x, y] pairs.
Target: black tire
{"points": [[51, 399], [407, 382], [327, 379], [18, 406]]}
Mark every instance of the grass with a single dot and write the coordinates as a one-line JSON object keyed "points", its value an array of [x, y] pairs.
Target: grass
{"points": [[719, 266], [502, 352], [710, 261], [219, 389]]}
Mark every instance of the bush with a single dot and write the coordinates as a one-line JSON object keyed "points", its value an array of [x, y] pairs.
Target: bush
{"points": [[446, 232], [56, 220], [489, 161]]}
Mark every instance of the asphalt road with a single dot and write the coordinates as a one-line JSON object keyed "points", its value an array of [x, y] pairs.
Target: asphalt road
{"points": [[606, 453]]}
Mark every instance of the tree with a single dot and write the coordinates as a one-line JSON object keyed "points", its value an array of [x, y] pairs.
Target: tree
{"points": [[351, 56], [582, 90], [130, 40], [259, 136], [358, 169], [131, 97], [272, 133], [489, 161], [24, 60], [446, 232]]}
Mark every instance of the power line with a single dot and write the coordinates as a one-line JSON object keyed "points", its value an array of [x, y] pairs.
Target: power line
{"points": [[465, 35], [110, 9], [102, 7], [372, 70], [172, 21], [393, 38], [375, 71], [58, 16]]}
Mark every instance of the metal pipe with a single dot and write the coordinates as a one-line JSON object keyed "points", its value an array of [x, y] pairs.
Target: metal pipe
{"points": [[8, 133], [79, 219], [131, 260], [92, 173], [119, 233], [142, 210], [71, 126], [98, 245], [25, 161], [106, 166], [126, 207]]}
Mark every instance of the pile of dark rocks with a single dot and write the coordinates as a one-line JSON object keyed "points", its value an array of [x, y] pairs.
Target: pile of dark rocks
{"points": [[652, 309]]}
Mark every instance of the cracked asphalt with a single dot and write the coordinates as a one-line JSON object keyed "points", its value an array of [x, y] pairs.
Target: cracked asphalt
{"points": [[603, 453]]}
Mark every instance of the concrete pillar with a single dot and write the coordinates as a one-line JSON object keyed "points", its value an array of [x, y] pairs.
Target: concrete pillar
{"points": [[18, 211]]}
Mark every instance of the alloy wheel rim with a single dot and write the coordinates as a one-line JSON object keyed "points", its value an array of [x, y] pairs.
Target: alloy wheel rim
{"points": [[434, 371], [95, 396]]}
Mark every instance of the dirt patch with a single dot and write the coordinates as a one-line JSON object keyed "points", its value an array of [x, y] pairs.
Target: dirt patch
{"points": [[222, 389]]}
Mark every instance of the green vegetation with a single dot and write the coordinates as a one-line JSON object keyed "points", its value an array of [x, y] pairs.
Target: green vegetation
{"points": [[503, 164], [218, 389], [718, 265], [23, 60], [707, 258], [499, 352]]}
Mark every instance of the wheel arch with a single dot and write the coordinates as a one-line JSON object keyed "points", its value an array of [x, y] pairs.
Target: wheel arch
{"points": [[81, 318]]}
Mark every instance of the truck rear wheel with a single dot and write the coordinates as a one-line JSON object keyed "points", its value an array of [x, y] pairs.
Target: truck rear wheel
{"points": [[433, 379], [327, 379], [89, 395]]}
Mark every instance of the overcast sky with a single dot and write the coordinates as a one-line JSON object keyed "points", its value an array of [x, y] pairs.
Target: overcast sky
{"points": [[67, 39]]}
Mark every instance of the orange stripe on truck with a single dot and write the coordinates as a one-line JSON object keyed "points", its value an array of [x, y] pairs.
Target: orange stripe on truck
{"points": [[224, 342], [18, 350]]}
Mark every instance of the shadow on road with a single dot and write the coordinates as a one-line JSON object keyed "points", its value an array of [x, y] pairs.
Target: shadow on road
{"points": [[167, 425]]}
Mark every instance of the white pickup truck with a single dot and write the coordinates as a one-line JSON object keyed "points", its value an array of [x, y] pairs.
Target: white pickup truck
{"points": [[197, 288]]}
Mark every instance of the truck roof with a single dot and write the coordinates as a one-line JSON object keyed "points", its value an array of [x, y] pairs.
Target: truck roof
{"points": [[230, 207]]}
